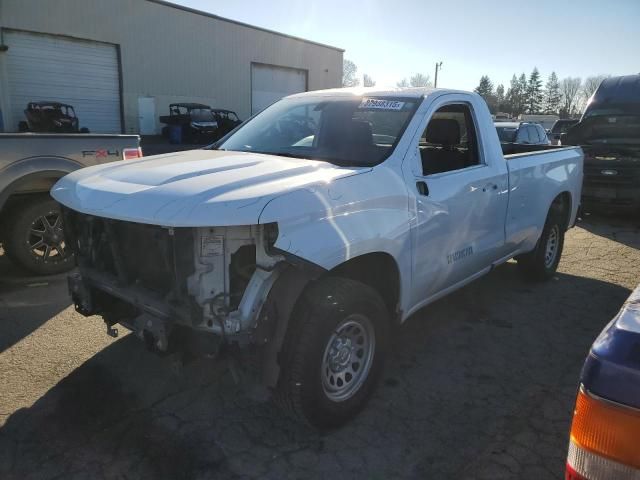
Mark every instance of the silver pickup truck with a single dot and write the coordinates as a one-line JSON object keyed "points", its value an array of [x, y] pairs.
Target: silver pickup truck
{"points": [[30, 223]]}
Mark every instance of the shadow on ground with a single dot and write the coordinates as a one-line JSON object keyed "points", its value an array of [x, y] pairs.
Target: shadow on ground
{"points": [[479, 385], [27, 301]]}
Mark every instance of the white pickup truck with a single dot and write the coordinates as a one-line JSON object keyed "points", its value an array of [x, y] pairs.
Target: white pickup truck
{"points": [[313, 231]]}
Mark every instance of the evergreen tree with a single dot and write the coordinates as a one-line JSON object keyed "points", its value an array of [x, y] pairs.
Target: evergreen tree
{"points": [[552, 95], [500, 99], [534, 92], [515, 95], [524, 98], [485, 90]]}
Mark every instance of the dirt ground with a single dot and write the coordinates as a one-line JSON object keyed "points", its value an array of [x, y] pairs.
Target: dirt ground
{"points": [[480, 385]]}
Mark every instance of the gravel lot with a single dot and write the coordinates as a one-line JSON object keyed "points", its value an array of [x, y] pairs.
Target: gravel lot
{"points": [[481, 385]]}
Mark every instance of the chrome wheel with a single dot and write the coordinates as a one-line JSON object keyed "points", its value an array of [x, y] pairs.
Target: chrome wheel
{"points": [[551, 249], [45, 239], [348, 357]]}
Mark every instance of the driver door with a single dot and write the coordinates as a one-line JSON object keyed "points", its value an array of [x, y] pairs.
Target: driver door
{"points": [[460, 200]]}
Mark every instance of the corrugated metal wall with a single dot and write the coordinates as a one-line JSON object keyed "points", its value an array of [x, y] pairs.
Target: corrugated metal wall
{"points": [[172, 54]]}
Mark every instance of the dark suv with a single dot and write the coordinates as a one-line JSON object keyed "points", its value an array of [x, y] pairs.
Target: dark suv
{"points": [[609, 134], [561, 126]]}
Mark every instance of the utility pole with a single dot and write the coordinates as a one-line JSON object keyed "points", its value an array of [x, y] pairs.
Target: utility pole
{"points": [[438, 67]]}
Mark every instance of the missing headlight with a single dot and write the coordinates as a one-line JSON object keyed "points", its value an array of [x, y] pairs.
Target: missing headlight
{"points": [[241, 269]]}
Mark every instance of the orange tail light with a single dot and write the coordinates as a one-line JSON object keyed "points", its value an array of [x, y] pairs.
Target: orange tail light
{"points": [[604, 437], [131, 153]]}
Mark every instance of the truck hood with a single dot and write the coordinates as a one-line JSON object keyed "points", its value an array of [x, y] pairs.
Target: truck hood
{"points": [[606, 131], [192, 189]]}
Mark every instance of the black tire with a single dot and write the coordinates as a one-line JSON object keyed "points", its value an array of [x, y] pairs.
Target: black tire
{"points": [[328, 313], [541, 264], [23, 127], [22, 238]]}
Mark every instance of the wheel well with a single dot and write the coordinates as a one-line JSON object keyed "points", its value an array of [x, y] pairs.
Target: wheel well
{"points": [[377, 270], [38, 183], [561, 206]]}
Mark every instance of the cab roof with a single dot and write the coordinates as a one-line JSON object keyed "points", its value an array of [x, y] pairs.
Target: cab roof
{"points": [[508, 124], [411, 92], [189, 105], [50, 104]]}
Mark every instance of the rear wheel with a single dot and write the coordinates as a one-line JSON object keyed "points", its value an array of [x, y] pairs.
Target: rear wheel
{"points": [[334, 352], [35, 239], [542, 263]]}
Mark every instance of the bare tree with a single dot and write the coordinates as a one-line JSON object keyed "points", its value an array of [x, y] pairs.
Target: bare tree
{"points": [[402, 83], [420, 80], [367, 81], [590, 86], [349, 71], [570, 90]]}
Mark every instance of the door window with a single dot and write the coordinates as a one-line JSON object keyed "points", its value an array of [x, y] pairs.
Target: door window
{"points": [[449, 142]]}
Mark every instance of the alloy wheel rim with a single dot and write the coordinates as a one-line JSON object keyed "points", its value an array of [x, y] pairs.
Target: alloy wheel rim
{"points": [[348, 357], [45, 239]]}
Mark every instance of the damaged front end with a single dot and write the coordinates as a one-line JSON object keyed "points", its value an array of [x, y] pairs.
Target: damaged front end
{"points": [[174, 286]]}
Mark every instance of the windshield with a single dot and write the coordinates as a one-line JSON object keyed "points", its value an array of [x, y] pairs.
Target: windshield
{"points": [[562, 127], [345, 131], [618, 129], [507, 134], [201, 115]]}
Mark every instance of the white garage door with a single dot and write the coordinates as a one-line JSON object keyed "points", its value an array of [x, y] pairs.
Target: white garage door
{"points": [[269, 84], [82, 74]]}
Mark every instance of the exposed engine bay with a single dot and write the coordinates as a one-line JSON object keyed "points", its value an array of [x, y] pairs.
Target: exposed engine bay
{"points": [[161, 282]]}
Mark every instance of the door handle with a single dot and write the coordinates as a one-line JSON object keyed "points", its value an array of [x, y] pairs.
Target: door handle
{"points": [[490, 186], [422, 188]]}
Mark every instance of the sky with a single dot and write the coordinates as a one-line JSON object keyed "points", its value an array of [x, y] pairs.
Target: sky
{"points": [[391, 40]]}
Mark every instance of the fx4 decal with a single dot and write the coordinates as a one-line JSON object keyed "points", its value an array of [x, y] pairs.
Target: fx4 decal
{"points": [[101, 153]]}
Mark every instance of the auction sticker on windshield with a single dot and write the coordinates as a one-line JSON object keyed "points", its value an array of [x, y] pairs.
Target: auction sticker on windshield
{"points": [[378, 104]]}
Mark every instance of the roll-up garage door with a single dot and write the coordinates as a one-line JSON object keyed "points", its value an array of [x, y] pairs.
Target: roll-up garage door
{"points": [[51, 68], [269, 84]]}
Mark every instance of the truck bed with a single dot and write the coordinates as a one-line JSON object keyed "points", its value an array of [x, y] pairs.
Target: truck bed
{"points": [[509, 149]]}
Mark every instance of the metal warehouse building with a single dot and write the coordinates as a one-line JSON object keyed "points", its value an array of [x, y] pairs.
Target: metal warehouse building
{"points": [[121, 62]]}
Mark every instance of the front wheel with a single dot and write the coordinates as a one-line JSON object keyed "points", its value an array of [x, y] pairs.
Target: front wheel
{"points": [[542, 263], [334, 352]]}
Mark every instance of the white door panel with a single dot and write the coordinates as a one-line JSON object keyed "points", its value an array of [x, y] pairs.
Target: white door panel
{"points": [[147, 115], [459, 227], [459, 217]]}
